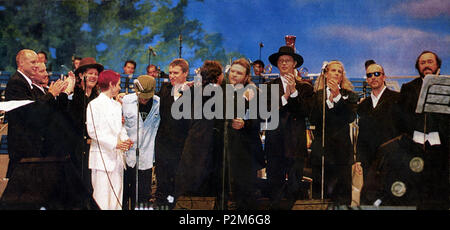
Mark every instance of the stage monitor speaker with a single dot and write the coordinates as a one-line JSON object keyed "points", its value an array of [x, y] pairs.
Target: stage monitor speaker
{"points": [[400, 173], [195, 203], [311, 205]]}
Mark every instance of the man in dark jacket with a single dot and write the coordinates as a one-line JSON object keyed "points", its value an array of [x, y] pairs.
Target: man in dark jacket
{"points": [[285, 146], [337, 149], [429, 132], [376, 126], [171, 134], [40, 172]]}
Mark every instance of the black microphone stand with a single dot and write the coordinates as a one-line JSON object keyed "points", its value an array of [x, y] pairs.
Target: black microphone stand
{"points": [[324, 96], [150, 53], [84, 147], [181, 40]]}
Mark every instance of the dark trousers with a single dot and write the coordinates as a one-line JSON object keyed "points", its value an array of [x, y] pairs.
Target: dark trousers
{"points": [[337, 183], [166, 169], [280, 168], [129, 189]]}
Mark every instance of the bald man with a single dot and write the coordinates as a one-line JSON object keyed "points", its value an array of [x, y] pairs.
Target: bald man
{"points": [[375, 127], [39, 171], [23, 122]]}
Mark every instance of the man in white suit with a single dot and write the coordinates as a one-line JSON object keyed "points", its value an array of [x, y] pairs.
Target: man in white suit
{"points": [[109, 141]]}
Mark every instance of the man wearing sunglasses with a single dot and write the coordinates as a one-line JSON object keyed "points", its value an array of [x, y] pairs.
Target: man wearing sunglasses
{"points": [[375, 127]]}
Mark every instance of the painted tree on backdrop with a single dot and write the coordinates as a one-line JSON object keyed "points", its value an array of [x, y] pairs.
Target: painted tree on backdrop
{"points": [[112, 31]]}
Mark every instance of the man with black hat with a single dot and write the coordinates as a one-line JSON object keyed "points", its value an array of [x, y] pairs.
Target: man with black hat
{"points": [[285, 146], [85, 91], [148, 126]]}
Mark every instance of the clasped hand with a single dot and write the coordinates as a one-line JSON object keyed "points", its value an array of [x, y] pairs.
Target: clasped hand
{"points": [[124, 145]]}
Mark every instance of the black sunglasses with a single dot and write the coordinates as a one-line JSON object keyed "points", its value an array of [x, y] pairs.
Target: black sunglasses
{"points": [[376, 74]]}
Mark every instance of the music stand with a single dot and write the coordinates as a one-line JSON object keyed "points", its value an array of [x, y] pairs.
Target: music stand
{"points": [[434, 95]]}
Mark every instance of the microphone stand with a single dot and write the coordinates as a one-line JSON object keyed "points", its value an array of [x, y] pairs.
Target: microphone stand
{"points": [[137, 151], [324, 96], [150, 53], [224, 164], [83, 154], [181, 39]]}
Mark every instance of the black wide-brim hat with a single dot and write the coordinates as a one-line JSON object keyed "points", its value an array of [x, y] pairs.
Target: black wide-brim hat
{"points": [[86, 63], [286, 50]]}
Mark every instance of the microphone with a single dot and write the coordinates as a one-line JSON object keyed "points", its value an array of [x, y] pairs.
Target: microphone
{"points": [[65, 67], [152, 51], [138, 87], [324, 65]]}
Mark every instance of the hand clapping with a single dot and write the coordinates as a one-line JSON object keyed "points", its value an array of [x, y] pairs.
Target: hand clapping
{"points": [[290, 87], [57, 87]]}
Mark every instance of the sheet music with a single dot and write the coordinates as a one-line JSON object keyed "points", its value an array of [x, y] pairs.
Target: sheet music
{"points": [[10, 105], [434, 95]]}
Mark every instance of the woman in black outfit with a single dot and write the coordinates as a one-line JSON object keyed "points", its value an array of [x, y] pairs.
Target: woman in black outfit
{"points": [[340, 111], [85, 91]]}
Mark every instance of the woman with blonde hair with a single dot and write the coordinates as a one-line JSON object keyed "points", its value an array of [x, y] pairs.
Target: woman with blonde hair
{"points": [[344, 82], [340, 111]]}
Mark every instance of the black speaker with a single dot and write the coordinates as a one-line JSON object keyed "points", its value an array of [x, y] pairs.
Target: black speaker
{"points": [[399, 170]]}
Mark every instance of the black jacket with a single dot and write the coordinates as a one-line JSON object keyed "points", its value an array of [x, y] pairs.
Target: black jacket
{"points": [[376, 126]]}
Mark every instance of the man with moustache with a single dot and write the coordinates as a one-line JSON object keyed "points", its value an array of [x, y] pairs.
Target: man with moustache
{"points": [[429, 133], [285, 146], [376, 126]]}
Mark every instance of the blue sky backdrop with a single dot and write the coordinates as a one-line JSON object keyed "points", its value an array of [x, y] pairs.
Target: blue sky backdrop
{"points": [[392, 32]]}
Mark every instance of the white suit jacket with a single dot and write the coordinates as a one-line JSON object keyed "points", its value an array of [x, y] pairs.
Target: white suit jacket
{"points": [[104, 126], [147, 131]]}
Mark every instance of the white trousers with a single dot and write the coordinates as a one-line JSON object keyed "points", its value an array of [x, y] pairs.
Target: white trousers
{"points": [[108, 188]]}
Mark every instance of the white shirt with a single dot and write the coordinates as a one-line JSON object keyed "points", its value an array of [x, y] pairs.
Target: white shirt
{"points": [[293, 95], [26, 78], [375, 99], [330, 104]]}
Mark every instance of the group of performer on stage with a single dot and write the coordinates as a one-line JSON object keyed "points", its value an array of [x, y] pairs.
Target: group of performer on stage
{"points": [[79, 144]]}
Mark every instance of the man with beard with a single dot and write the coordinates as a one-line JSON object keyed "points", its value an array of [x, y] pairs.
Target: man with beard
{"points": [[429, 133]]}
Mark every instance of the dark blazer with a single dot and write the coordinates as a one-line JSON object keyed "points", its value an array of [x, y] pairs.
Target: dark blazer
{"points": [[23, 137], [434, 187], [39, 133], [338, 149], [171, 133], [244, 154], [289, 139], [169, 143], [285, 146], [376, 126], [199, 167], [337, 131]]}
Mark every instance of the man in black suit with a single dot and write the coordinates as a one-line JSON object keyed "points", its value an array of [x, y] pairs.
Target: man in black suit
{"points": [[376, 126], [21, 140], [430, 133], [285, 146], [39, 171], [171, 134]]}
